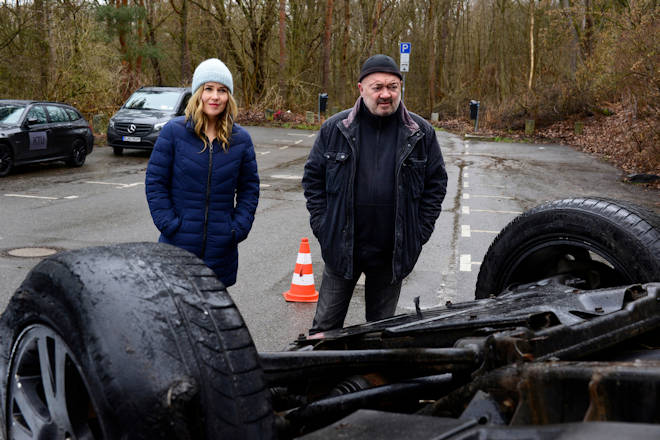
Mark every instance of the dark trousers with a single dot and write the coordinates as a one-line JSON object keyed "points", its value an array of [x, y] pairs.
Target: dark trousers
{"points": [[335, 295]]}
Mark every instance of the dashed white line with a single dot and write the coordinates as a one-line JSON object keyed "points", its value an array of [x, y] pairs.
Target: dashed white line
{"points": [[286, 176], [263, 153], [486, 196], [116, 184], [465, 210], [466, 196], [466, 263], [465, 231], [300, 134], [484, 231], [493, 211], [27, 196], [466, 175], [284, 147], [466, 184], [264, 185]]}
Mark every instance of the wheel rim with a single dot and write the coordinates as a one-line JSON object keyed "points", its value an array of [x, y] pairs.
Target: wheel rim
{"points": [[47, 395], [78, 153], [5, 160], [582, 264]]}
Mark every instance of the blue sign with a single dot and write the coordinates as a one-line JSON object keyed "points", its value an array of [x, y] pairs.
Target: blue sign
{"points": [[404, 47]]}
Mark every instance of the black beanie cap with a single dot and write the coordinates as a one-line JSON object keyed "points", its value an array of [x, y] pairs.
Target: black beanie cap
{"points": [[379, 63]]}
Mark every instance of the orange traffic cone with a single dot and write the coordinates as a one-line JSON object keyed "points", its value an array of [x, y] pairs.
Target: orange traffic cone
{"points": [[302, 284]]}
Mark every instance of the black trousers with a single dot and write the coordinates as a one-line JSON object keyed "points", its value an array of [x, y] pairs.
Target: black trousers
{"points": [[381, 297]]}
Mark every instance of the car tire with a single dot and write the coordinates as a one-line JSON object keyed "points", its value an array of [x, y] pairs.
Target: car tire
{"points": [[78, 154], [6, 160], [141, 341], [588, 242], [118, 151]]}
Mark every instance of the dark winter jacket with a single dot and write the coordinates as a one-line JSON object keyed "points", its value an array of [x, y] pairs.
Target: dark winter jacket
{"points": [[328, 181], [203, 202]]}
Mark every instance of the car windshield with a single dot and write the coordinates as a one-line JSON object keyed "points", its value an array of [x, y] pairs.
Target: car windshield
{"points": [[153, 100], [11, 113]]}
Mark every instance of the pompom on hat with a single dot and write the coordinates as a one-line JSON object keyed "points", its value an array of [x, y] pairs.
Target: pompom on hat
{"points": [[212, 70], [379, 63]]}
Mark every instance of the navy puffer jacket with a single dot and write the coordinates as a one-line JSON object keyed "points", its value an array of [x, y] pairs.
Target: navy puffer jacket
{"points": [[203, 202]]}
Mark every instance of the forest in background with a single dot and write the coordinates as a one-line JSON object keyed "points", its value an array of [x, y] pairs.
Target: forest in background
{"points": [[545, 60]]}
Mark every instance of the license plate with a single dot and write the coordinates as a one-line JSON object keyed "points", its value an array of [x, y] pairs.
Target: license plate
{"points": [[130, 139]]}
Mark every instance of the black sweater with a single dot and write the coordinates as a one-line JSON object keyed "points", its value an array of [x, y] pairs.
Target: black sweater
{"points": [[374, 188]]}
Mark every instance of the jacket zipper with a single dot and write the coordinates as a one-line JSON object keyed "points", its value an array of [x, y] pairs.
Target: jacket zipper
{"points": [[410, 145], [208, 196]]}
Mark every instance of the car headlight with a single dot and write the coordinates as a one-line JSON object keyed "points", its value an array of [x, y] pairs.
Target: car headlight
{"points": [[111, 123], [160, 125]]}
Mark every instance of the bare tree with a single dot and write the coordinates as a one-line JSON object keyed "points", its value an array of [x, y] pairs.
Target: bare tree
{"points": [[283, 57], [327, 44]]}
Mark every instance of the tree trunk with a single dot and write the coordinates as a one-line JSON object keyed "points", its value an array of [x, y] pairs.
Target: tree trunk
{"points": [[530, 80], [283, 57], [432, 31], [343, 79], [374, 26], [40, 7], [327, 45]]}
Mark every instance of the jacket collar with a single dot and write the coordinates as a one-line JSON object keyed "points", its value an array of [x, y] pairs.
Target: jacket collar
{"points": [[406, 119]]}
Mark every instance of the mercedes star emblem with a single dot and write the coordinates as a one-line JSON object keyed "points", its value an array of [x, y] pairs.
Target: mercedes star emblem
{"points": [[131, 128]]}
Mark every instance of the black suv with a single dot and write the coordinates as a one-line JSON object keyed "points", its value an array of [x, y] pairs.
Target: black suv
{"points": [[138, 122], [35, 131]]}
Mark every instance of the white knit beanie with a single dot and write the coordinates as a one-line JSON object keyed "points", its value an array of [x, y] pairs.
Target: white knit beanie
{"points": [[212, 70]]}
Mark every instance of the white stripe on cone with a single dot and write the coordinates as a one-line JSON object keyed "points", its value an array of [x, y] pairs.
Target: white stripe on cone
{"points": [[305, 280], [304, 259]]}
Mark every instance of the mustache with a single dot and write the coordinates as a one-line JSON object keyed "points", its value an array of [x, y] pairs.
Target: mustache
{"points": [[384, 101]]}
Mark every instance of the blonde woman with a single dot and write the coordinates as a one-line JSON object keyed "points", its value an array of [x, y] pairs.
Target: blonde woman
{"points": [[202, 184]]}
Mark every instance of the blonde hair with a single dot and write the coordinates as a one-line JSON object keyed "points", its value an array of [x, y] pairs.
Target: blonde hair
{"points": [[224, 123]]}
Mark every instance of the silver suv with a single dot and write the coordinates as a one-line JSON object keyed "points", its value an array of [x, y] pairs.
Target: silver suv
{"points": [[138, 122]]}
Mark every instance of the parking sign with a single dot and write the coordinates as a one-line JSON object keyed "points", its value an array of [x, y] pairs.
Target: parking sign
{"points": [[404, 60]]}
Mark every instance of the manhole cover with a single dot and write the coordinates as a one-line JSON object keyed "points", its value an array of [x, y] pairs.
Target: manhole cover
{"points": [[32, 252]]}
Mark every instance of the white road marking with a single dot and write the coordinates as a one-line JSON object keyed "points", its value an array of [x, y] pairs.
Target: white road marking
{"points": [[264, 185], [466, 184], [466, 210], [465, 231], [286, 176], [299, 134], [284, 147], [264, 152], [493, 211], [466, 263], [466, 175], [26, 196], [484, 231], [486, 196], [466, 196], [70, 197], [116, 184]]}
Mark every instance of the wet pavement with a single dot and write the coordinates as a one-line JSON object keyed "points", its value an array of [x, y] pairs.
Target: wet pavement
{"points": [[52, 206]]}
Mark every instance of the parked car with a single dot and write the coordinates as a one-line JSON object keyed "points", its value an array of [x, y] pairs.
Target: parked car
{"points": [[138, 122], [142, 341], [36, 131]]}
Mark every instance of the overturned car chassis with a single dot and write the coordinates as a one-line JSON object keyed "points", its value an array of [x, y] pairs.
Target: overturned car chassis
{"points": [[526, 364]]}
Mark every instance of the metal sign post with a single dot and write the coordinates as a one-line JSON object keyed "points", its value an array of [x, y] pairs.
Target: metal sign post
{"points": [[404, 63]]}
